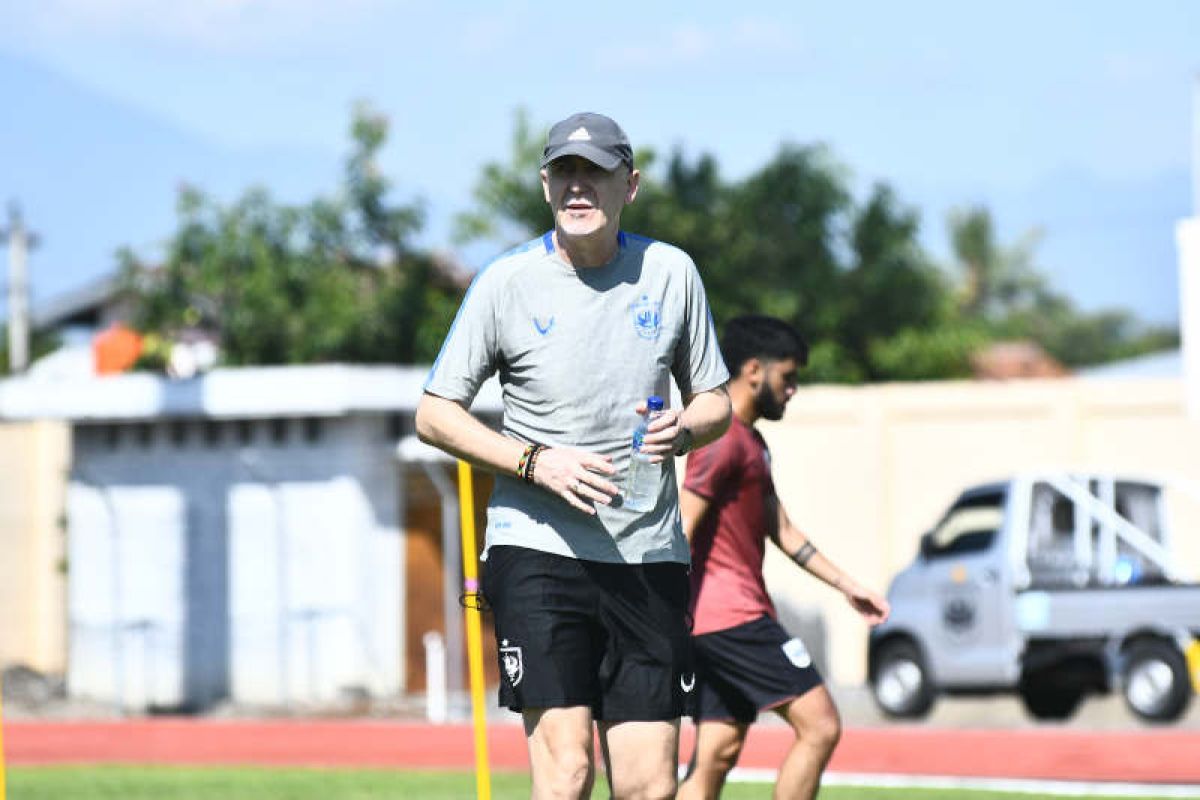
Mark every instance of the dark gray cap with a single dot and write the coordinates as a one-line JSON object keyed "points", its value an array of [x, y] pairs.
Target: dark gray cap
{"points": [[592, 136]]}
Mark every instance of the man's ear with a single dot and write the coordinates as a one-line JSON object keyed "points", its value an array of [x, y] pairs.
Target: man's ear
{"points": [[752, 371], [631, 186]]}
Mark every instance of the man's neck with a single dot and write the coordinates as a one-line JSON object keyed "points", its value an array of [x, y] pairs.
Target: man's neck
{"points": [[742, 400], [587, 251]]}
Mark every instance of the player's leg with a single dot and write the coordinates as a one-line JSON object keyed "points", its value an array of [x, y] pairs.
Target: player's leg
{"points": [[815, 721], [758, 666], [560, 752], [546, 633], [641, 758], [718, 746], [645, 675]]}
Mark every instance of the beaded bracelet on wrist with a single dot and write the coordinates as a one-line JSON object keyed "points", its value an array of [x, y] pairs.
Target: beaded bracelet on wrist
{"points": [[533, 459], [523, 464]]}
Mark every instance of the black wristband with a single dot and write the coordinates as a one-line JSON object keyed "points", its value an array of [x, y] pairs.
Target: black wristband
{"points": [[806, 552], [688, 439]]}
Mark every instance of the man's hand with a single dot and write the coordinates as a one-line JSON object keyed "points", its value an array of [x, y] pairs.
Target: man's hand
{"points": [[873, 607], [576, 476], [663, 434]]}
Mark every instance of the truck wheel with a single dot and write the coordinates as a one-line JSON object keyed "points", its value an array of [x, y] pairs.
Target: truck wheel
{"points": [[1155, 681], [1045, 700], [901, 682]]}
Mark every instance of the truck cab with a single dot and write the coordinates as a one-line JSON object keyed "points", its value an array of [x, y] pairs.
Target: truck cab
{"points": [[1050, 585]]}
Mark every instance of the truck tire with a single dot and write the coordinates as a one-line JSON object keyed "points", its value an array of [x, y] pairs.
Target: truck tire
{"points": [[1155, 681], [900, 681], [1050, 701]]}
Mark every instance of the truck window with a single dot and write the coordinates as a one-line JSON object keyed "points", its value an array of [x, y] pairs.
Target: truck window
{"points": [[1056, 558], [1051, 559], [970, 526]]}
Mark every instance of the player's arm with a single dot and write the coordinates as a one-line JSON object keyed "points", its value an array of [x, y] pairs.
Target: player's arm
{"points": [[705, 416], [575, 475], [447, 425], [692, 508], [872, 606]]}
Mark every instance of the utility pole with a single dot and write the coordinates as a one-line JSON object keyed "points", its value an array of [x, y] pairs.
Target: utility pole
{"points": [[19, 243]]}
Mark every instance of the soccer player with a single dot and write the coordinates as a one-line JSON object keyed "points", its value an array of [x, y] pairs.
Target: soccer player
{"points": [[745, 661], [582, 325]]}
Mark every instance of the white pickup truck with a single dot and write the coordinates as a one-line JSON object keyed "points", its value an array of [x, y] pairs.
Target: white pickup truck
{"points": [[1051, 586]]}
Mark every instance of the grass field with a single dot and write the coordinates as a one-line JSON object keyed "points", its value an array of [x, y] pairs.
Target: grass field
{"points": [[179, 783]]}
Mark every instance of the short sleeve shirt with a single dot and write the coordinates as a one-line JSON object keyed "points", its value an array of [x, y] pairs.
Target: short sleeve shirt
{"points": [[576, 351], [734, 475]]}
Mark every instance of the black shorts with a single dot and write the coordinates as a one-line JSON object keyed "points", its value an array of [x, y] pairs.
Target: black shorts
{"points": [[749, 668], [582, 633]]}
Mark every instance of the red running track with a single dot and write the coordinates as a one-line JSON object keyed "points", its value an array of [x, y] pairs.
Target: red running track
{"points": [[1151, 756]]}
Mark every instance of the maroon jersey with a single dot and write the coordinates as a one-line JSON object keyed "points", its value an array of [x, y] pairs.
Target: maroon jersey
{"points": [[734, 475]]}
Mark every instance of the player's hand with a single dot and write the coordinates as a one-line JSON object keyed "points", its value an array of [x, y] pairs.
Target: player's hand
{"points": [[873, 607], [662, 434], [576, 476]]}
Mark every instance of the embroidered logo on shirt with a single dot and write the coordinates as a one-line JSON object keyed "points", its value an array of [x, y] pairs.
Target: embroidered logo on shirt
{"points": [[514, 664], [580, 134], [647, 317], [543, 327]]}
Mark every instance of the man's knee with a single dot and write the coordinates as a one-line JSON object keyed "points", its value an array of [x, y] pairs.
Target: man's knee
{"points": [[725, 753], [661, 786], [815, 720], [560, 751], [824, 731], [567, 773]]}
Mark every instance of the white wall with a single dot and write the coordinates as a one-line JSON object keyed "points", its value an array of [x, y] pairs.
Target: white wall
{"points": [[270, 571]]}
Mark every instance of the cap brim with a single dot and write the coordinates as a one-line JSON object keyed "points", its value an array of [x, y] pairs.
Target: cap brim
{"points": [[601, 158]]}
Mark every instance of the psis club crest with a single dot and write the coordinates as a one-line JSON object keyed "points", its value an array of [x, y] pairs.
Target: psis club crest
{"points": [[647, 317], [513, 663]]}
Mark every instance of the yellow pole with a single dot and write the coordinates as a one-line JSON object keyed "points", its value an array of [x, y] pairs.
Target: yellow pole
{"points": [[466, 507]]}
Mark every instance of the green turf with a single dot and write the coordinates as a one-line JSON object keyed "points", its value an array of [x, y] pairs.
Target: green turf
{"points": [[257, 783]]}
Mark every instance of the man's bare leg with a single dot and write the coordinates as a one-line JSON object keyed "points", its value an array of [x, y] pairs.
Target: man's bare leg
{"points": [[641, 758], [718, 745], [560, 752], [815, 721]]}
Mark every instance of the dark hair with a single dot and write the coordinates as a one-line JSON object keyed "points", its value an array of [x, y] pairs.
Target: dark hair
{"points": [[762, 337]]}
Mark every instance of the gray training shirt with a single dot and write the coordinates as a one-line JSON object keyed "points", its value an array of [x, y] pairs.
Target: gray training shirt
{"points": [[577, 350]]}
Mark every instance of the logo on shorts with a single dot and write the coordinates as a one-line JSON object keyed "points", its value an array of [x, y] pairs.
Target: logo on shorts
{"points": [[647, 317], [514, 664], [685, 684], [797, 653]]}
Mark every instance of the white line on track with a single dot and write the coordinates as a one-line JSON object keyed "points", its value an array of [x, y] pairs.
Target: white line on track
{"points": [[1040, 788]]}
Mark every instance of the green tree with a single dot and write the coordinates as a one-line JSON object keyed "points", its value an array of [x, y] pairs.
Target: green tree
{"points": [[787, 240], [337, 279], [1002, 291]]}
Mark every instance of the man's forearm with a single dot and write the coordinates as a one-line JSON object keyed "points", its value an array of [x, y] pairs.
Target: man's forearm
{"points": [[707, 415], [448, 426]]}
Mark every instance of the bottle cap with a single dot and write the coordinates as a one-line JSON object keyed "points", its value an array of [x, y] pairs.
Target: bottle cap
{"points": [[654, 403]]}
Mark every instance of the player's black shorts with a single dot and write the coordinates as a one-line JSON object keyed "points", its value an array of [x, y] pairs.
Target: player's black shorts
{"points": [[583, 633], [749, 668]]}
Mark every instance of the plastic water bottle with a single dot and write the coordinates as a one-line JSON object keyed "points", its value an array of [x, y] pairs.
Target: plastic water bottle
{"points": [[642, 481]]}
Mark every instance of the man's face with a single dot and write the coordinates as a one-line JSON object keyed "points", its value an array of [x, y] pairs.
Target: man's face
{"points": [[584, 197], [779, 380]]}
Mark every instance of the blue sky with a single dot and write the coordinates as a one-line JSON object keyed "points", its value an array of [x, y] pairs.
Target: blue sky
{"points": [[1071, 116]]}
